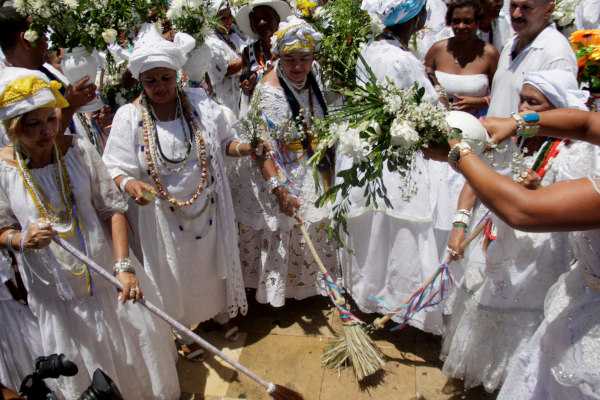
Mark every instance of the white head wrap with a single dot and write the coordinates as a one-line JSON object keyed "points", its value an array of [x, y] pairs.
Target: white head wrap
{"points": [[393, 12], [295, 35], [18, 98], [559, 87], [151, 51]]}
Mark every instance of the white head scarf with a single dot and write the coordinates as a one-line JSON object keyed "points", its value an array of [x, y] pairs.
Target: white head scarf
{"points": [[214, 6], [295, 35], [559, 87], [151, 51], [393, 12], [23, 90]]}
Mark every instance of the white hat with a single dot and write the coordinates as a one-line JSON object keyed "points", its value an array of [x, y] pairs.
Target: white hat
{"points": [[242, 17], [295, 34], [559, 87], [151, 51], [23, 90]]}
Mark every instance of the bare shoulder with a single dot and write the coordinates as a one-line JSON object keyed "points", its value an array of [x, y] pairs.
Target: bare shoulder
{"points": [[491, 52], [271, 78]]}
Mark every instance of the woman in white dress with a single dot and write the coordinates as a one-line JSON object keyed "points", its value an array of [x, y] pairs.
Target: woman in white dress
{"points": [[464, 65], [169, 146], [492, 322], [275, 259], [225, 45], [62, 184], [561, 359], [394, 249]]}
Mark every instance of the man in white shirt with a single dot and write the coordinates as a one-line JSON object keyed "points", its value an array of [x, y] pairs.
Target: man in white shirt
{"points": [[537, 46]]}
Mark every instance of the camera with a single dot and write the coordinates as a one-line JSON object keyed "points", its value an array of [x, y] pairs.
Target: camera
{"points": [[53, 366], [246, 75]]}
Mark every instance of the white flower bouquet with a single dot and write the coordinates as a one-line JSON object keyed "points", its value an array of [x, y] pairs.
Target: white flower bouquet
{"points": [[564, 13], [379, 126], [93, 24], [192, 17]]}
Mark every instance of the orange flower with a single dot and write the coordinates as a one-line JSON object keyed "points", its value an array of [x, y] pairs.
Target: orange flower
{"points": [[595, 54], [584, 37], [581, 62]]}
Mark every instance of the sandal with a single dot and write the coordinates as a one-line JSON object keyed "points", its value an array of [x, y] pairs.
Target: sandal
{"points": [[194, 352], [232, 334]]}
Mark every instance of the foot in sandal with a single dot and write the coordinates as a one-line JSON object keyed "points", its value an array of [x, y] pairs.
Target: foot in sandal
{"points": [[230, 331], [193, 352]]}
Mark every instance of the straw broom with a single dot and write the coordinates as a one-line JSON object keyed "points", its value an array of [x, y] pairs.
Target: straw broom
{"points": [[277, 392], [355, 344], [380, 322]]}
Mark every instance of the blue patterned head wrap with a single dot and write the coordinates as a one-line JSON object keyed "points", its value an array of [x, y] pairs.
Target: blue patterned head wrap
{"points": [[394, 12]]}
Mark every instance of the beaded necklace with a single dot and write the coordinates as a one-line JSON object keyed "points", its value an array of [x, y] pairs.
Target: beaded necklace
{"points": [[151, 119], [547, 154], [92, 134], [151, 152], [61, 217]]}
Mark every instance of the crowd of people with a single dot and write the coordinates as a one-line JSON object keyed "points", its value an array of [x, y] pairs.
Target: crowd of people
{"points": [[189, 206]]}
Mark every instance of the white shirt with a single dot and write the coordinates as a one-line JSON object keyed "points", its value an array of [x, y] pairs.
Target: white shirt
{"points": [[549, 50], [587, 14]]}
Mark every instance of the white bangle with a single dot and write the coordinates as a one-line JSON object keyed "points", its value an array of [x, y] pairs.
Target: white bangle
{"points": [[237, 149], [460, 218], [272, 183], [124, 182]]}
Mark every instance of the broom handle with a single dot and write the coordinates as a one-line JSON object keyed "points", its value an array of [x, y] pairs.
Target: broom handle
{"points": [[338, 298], [463, 245], [164, 316]]}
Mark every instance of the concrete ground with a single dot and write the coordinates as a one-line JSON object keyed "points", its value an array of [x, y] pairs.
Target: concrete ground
{"points": [[284, 346]]}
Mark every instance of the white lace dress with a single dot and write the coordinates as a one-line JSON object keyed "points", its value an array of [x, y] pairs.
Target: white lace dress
{"points": [[275, 258], [561, 361], [20, 339], [395, 250], [500, 303], [193, 261], [134, 348]]}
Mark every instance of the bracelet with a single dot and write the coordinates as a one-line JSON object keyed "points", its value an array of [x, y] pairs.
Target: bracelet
{"points": [[530, 118], [9, 245], [463, 226], [463, 211], [237, 149], [456, 154], [441, 92], [123, 265], [520, 125], [461, 218], [272, 183], [124, 182]]}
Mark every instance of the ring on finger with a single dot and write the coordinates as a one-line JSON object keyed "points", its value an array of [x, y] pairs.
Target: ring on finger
{"points": [[133, 289], [452, 252], [41, 225], [524, 174]]}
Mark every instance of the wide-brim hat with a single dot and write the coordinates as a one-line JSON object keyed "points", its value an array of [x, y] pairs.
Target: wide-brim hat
{"points": [[242, 17]]}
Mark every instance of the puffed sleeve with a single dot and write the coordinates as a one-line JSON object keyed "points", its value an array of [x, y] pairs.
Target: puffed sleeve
{"points": [[121, 151], [106, 197]]}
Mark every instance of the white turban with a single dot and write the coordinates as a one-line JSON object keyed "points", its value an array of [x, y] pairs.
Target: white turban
{"points": [[151, 51], [214, 6], [295, 35], [559, 87], [23, 90]]}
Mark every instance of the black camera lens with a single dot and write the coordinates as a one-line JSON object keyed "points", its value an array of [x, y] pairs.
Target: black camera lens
{"points": [[54, 366], [102, 388]]}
